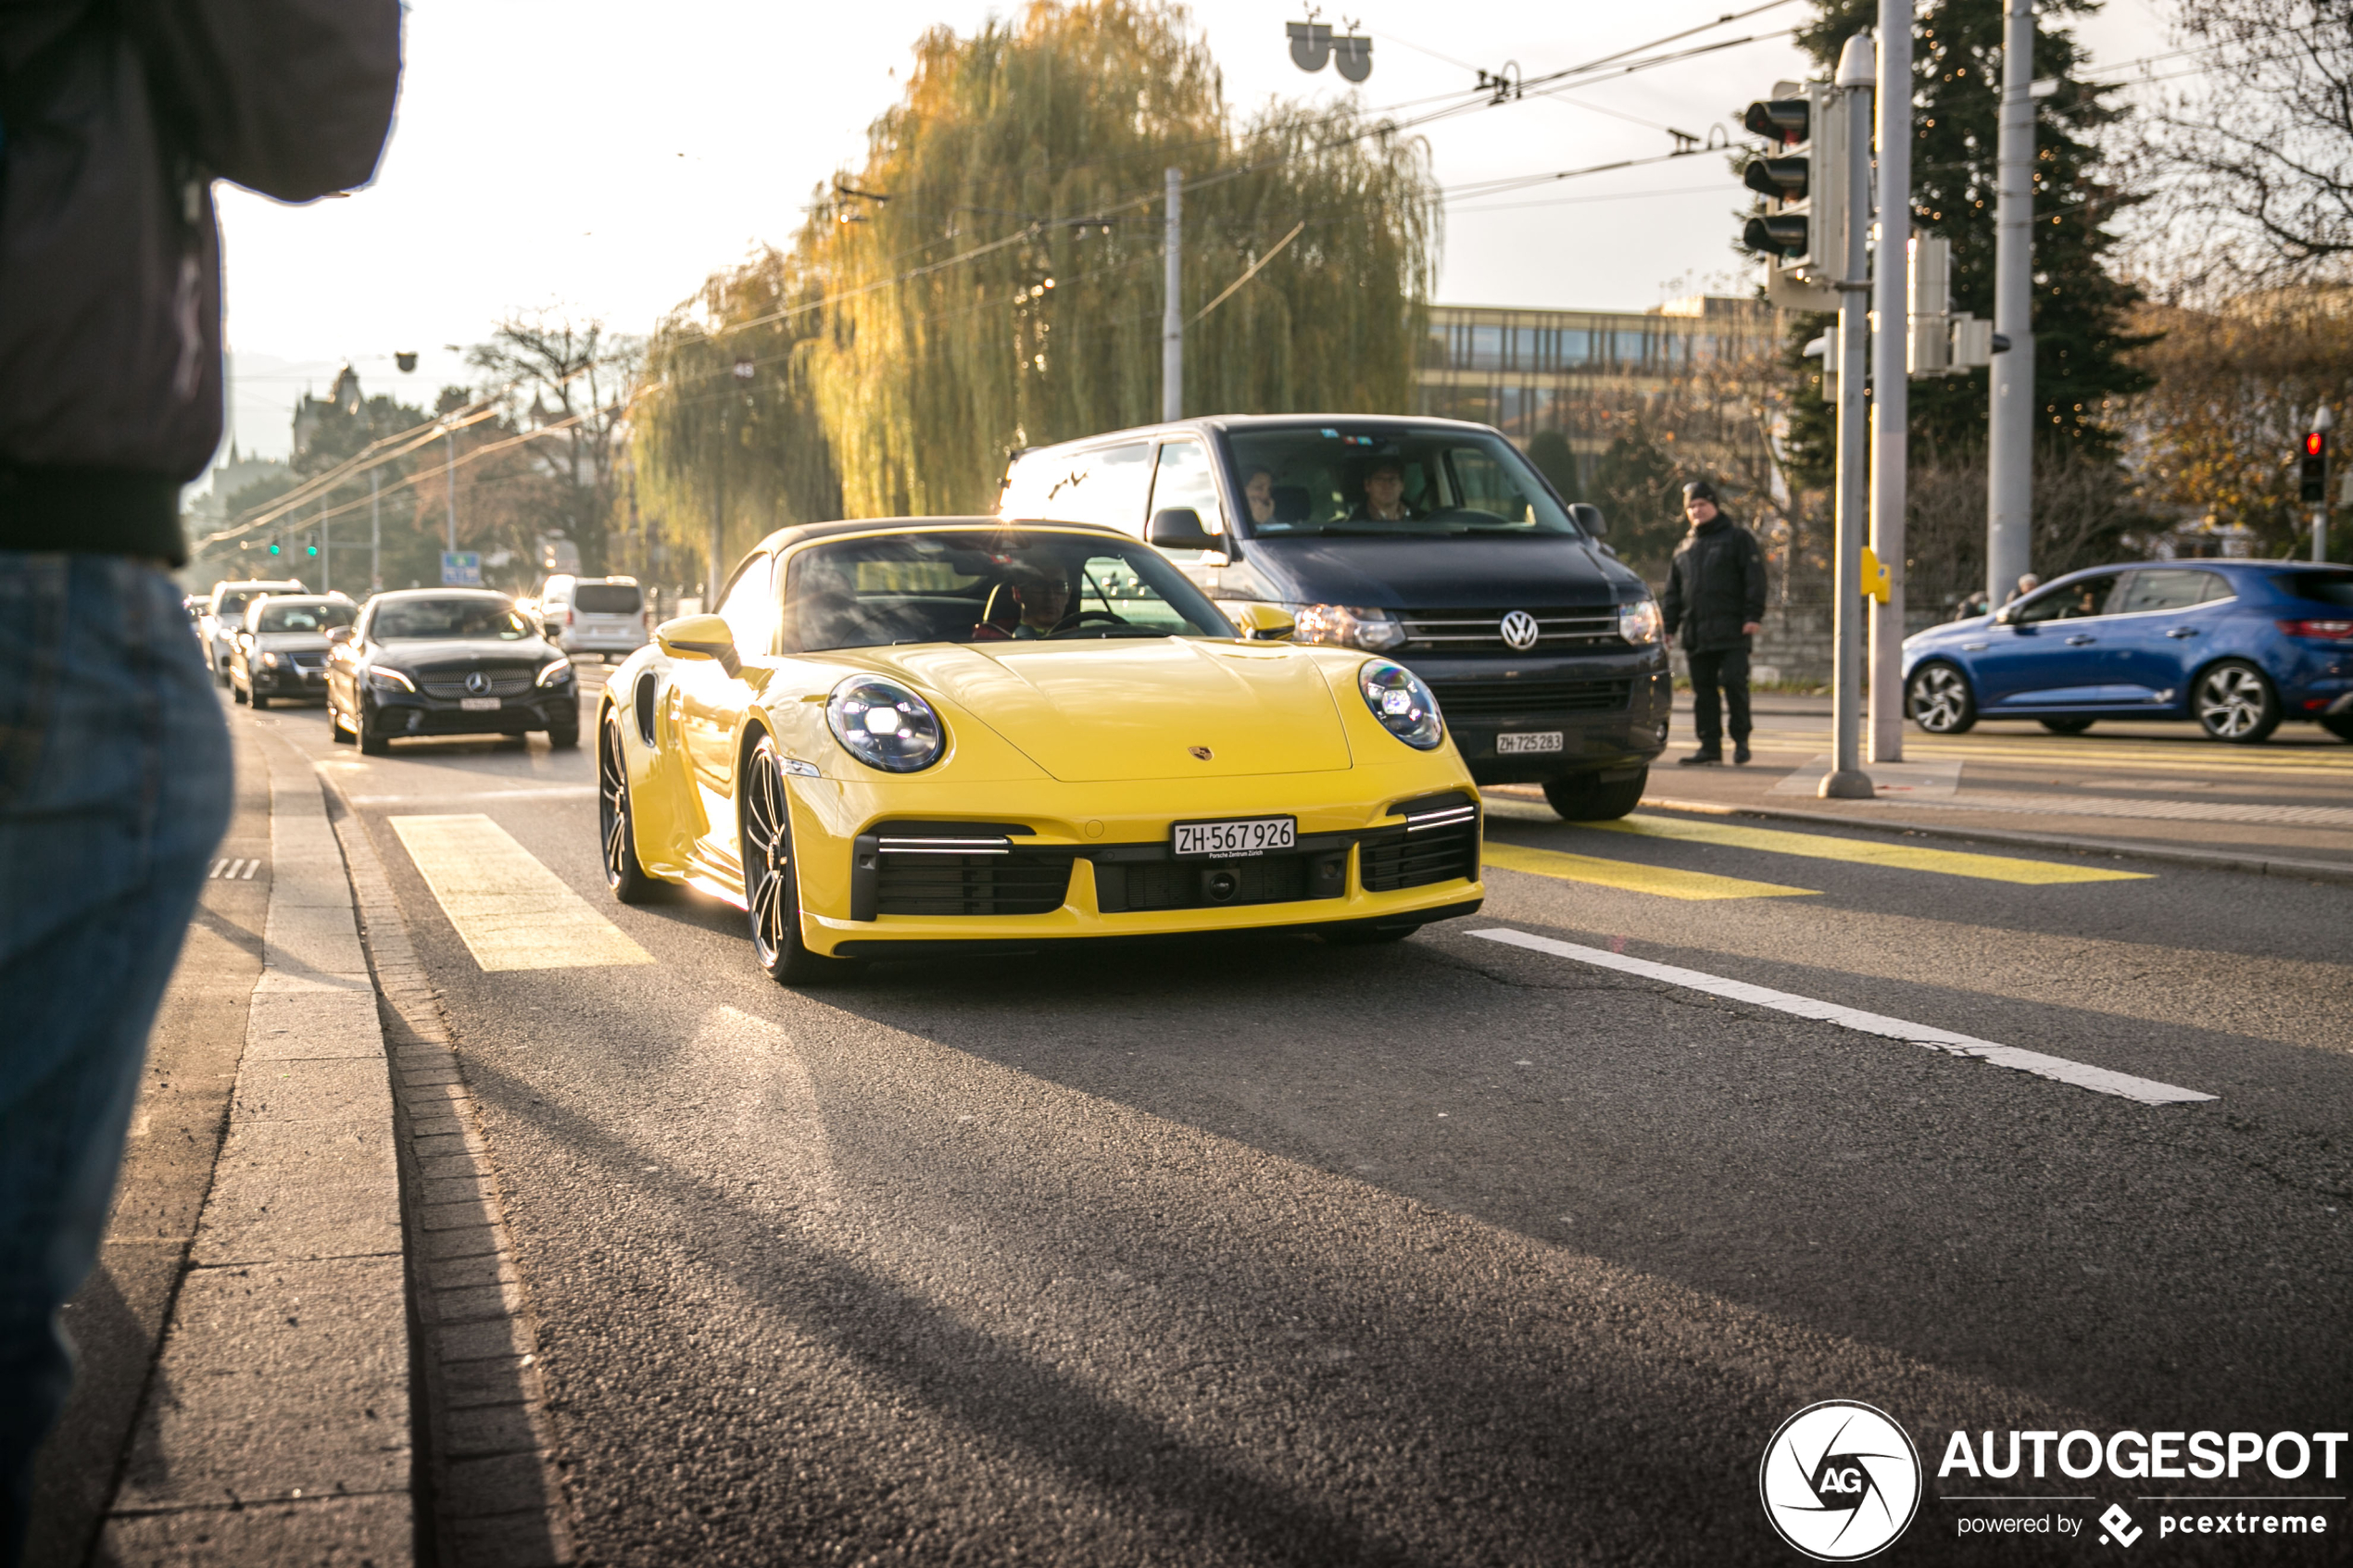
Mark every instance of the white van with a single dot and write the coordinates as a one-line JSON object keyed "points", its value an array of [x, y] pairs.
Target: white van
{"points": [[604, 615]]}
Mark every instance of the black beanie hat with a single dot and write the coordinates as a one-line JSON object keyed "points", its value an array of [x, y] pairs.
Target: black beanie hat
{"points": [[1700, 490]]}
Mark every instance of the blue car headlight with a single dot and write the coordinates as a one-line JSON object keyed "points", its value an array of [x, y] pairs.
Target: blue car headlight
{"points": [[1402, 703], [885, 725]]}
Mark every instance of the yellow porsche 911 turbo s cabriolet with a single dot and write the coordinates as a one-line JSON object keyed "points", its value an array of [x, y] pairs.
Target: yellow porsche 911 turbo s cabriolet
{"points": [[901, 737]]}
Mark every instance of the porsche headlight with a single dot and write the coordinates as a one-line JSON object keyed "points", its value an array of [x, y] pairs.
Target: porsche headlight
{"points": [[1375, 631], [554, 672], [386, 679], [1402, 703], [885, 725], [1639, 622]]}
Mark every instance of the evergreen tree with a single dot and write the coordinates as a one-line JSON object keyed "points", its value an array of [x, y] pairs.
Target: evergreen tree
{"points": [[1549, 450], [2082, 307], [1640, 491]]}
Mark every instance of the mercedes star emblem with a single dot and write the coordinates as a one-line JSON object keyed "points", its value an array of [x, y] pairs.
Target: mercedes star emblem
{"points": [[479, 683], [1519, 631]]}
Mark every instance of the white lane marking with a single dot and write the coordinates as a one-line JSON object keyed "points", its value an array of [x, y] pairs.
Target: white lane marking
{"points": [[239, 869], [511, 911], [218, 867], [247, 875], [2100, 1080], [549, 792]]}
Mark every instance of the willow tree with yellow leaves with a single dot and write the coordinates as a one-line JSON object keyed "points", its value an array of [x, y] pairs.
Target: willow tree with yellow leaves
{"points": [[990, 276]]}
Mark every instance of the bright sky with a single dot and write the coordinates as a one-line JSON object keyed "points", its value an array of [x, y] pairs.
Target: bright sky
{"points": [[603, 157]]}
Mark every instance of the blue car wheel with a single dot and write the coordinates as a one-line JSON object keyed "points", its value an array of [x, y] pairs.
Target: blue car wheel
{"points": [[1938, 698], [2234, 702]]}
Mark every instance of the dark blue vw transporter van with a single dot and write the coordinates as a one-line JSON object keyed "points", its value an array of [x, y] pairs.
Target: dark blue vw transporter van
{"points": [[1431, 541]]}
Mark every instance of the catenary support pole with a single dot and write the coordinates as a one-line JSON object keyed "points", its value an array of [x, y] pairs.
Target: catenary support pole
{"points": [[1847, 781], [1891, 365], [2009, 476], [375, 535], [449, 479], [326, 551], [1172, 318], [2323, 422]]}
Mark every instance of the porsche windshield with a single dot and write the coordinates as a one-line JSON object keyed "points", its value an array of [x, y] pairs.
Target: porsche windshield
{"points": [[423, 620], [980, 587], [1419, 483]]}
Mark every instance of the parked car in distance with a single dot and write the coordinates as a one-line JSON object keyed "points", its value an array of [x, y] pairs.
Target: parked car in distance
{"points": [[446, 661], [2237, 646], [600, 615], [279, 653], [1431, 541], [224, 615]]}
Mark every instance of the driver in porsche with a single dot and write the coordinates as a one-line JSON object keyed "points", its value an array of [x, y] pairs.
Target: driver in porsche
{"points": [[1045, 599]]}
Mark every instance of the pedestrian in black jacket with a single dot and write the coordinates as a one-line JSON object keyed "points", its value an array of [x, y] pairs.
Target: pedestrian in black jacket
{"points": [[1715, 601], [116, 117]]}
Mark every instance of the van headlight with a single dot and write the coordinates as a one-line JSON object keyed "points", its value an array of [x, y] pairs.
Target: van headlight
{"points": [[1639, 622], [1402, 703], [1375, 631], [885, 725]]}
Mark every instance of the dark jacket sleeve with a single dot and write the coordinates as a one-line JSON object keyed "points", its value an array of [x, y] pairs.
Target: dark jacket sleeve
{"points": [[291, 98], [1751, 578], [1670, 603]]}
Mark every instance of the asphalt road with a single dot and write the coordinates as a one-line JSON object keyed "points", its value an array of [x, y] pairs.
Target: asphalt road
{"points": [[1450, 1252]]}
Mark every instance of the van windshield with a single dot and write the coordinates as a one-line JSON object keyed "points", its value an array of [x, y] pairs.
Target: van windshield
{"points": [[1330, 480]]}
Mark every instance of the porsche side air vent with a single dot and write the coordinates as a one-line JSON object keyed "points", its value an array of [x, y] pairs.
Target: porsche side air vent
{"points": [[1439, 843], [954, 869]]}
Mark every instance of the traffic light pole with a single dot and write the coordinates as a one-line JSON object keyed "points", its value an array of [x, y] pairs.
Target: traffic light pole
{"points": [[1847, 781], [1172, 318], [2009, 479], [1891, 373]]}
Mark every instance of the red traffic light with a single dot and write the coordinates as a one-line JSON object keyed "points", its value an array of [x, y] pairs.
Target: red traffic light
{"points": [[2316, 444]]}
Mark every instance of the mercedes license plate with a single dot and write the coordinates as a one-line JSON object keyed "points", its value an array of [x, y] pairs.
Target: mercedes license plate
{"points": [[1232, 840], [479, 704], [1541, 740]]}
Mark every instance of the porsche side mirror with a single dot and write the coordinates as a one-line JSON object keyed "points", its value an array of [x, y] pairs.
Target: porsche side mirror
{"points": [[1178, 528], [699, 636], [1589, 517], [1261, 622]]}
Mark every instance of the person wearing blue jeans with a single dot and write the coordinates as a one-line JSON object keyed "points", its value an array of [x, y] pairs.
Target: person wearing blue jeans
{"points": [[114, 790], [116, 119]]}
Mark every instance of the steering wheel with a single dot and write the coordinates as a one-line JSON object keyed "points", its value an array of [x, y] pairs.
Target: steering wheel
{"points": [[1084, 616]]}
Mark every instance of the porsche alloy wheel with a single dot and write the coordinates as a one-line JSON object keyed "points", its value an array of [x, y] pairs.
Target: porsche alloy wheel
{"points": [[628, 879], [772, 892], [1939, 701], [2235, 703]]}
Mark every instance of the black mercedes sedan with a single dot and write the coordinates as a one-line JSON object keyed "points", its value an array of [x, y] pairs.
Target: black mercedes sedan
{"points": [[446, 661]]}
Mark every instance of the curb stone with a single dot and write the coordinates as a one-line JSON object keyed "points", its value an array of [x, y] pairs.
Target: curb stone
{"points": [[498, 1499]]}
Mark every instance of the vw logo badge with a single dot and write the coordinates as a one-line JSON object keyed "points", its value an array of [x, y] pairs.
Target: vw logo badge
{"points": [[478, 683], [1841, 1481], [1519, 631]]}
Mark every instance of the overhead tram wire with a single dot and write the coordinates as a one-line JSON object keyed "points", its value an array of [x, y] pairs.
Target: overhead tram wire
{"points": [[1472, 99]]}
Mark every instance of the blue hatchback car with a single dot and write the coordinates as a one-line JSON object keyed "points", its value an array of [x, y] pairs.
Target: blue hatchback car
{"points": [[2236, 644]]}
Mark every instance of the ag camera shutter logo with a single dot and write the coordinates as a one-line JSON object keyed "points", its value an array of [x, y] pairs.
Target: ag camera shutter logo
{"points": [[1841, 1481]]}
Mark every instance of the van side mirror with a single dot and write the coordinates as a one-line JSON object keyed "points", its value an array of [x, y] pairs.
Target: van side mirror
{"points": [[699, 636], [1178, 528], [1590, 519], [339, 633]]}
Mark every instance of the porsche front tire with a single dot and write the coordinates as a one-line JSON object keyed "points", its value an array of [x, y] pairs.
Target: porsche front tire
{"points": [[772, 889]]}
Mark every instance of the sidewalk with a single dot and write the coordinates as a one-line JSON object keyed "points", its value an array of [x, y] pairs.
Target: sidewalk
{"points": [[2157, 792], [244, 1390]]}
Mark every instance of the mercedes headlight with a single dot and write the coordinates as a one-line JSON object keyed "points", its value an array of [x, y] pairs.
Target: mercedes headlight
{"points": [[1639, 622], [555, 671], [885, 725], [1402, 703], [1375, 631], [386, 679]]}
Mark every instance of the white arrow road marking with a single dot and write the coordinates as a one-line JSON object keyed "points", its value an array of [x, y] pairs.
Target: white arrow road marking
{"points": [[511, 911], [2100, 1080]]}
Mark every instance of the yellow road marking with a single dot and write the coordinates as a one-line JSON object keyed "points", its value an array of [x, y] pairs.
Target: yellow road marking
{"points": [[511, 911], [1903, 856], [1666, 884]]}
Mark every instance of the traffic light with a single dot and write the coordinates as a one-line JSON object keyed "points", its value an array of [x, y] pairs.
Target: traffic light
{"points": [[310, 549], [2314, 490], [274, 549], [1802, 175]]}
